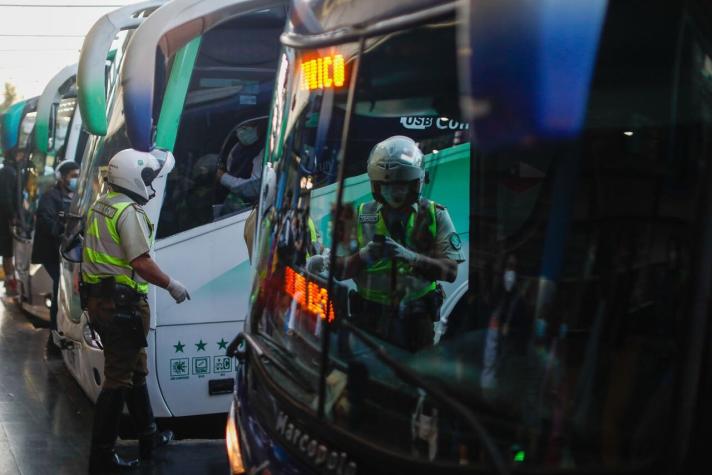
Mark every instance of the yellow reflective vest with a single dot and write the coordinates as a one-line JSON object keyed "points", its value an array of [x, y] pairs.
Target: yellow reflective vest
{"points": [[374, 283], [102, 255]]}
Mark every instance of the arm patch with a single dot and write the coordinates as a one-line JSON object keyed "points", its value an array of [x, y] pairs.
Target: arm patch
{"points": [[104, 209], [455, 241]]}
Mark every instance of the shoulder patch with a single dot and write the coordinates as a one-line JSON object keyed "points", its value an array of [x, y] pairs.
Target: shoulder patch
{"points": [[368, 218], [455, 241], [104, 209]]}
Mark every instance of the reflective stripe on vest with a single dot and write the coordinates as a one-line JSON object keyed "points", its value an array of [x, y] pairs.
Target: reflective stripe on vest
{"points": [[379, 273], [103, 256], [313, 236]]}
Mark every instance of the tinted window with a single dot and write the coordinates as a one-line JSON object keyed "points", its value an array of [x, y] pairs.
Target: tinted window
{"points": [[230, 88]]}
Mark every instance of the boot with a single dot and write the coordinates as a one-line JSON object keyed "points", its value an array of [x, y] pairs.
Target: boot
{"points": [[103, 457], [149, 437]]}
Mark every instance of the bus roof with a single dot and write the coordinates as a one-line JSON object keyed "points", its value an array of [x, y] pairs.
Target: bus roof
{"points": [[315, 23]]}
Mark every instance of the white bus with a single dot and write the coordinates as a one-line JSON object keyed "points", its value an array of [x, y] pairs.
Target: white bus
{"points": [[209, 81], [55, 132]]}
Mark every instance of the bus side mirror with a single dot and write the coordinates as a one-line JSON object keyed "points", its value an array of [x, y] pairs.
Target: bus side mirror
{"points": [[238, 348]]}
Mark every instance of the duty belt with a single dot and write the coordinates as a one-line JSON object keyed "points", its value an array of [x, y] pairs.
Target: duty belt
{"points": [[123, 295]]}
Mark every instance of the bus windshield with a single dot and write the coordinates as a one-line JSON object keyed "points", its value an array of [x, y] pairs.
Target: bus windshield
{"points": [[306, 147], [545, 287]]}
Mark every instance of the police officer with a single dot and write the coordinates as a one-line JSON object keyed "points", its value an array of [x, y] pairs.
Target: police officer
{"points": [[406, 244], [116, 270]]}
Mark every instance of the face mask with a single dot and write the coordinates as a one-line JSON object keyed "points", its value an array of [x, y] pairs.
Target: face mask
{"points": [[510, 277], [247, 135], [72, 185], [394, 195]]}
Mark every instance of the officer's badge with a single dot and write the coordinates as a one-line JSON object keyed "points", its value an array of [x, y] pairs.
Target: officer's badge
{"points": [[368, 218], [455, 241]]}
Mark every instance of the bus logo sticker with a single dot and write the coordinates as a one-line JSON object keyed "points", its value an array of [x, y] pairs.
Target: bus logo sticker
{"points": [[179, 368], [416, 123], [222, 364], [423, 123], [326, 459], [201, 365]]}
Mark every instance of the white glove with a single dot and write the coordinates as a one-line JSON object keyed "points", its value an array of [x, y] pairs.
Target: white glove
{"points": [[371, 252], [317, 264], [399, 251], [177, 291]]}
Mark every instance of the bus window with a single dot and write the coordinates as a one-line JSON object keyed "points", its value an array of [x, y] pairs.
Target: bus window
{"points": [[61, 128], [230, 90]]}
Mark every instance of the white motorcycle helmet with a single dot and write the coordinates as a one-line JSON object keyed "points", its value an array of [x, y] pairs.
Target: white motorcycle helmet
{"points": [[131, 172], [396, 160]]}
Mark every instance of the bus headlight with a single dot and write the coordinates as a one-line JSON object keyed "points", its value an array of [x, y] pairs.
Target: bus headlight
{"points": [[232, 441]]}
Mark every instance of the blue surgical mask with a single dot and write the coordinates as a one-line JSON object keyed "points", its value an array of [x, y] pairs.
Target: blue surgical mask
{"points": [[247, 135], [73, 183]]}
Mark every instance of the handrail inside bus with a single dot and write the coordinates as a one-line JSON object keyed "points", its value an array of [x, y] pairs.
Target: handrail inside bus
{"points": [[92, 61], [51, 94], [170, 28]]}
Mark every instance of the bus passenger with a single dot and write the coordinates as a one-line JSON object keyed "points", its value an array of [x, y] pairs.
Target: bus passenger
{"points": [[49, 229], [8, 205], [406, 244], [244, 168]]}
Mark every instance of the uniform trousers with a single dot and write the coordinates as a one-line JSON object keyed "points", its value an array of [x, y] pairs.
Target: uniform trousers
{"points": [[125, 363]]}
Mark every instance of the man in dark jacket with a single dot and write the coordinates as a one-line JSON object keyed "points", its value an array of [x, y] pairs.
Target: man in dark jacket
{"points": [[8, 206], [49, 228]]}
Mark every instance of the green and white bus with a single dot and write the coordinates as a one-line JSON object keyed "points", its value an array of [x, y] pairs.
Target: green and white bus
{"points": [[56, 132], [214, 75]]}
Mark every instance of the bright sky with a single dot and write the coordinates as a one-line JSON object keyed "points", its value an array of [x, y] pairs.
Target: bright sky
{"points": [[40, 37]]}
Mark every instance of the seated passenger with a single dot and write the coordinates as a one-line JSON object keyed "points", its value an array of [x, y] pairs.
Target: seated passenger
{"points": [[244, 171], [407, 243], [244, 163]]}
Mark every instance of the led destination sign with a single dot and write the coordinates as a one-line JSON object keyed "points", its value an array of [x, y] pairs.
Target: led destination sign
{"points": [[325, 72]]}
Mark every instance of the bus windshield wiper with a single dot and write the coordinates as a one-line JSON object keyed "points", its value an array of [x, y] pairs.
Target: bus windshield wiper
{"points": [[284, 362], [411, 377]]}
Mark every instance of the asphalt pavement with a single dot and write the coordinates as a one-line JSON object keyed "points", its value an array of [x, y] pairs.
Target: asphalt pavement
{"points": [[46, 419]]}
